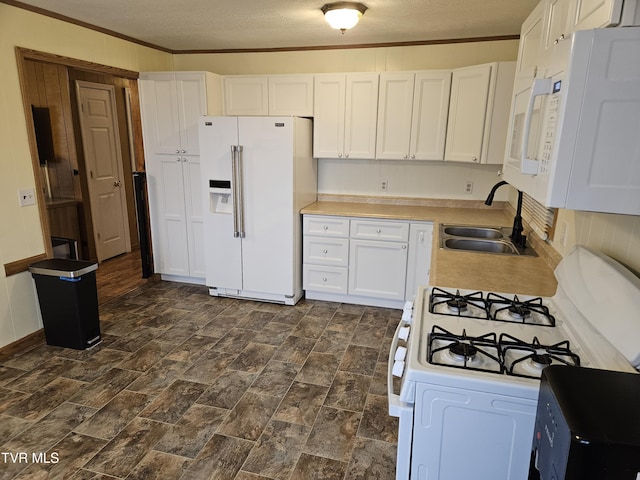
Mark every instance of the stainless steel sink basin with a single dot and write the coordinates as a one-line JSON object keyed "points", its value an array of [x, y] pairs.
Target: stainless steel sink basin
{"points": [[474, 238], [474, 232], [477, 245]]}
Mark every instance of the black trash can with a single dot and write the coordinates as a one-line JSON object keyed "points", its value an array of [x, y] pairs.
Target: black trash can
{"points": [[68, 299]]}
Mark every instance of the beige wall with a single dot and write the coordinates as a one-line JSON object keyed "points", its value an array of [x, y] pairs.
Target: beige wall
{"points": [[355, 60], [21, 235]]}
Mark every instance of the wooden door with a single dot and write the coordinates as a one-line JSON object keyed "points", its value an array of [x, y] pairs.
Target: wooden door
{"points": [[101, 146]]}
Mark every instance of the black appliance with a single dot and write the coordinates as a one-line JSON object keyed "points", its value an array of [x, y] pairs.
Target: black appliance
{"points": [[587, 425]]}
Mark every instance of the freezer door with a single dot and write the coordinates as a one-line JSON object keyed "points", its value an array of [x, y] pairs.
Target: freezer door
{"points": [[269, 216], [223, 251]]}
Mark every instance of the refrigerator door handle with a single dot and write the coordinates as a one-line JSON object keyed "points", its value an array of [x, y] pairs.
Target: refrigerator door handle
{"points": [[240, 181], [234, 185]]}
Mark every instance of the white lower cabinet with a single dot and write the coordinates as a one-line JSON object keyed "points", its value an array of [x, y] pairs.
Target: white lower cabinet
{"points": [[370, 261]]}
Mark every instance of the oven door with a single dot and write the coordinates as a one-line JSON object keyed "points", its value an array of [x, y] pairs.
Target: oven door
{"points": [[398, 408]]}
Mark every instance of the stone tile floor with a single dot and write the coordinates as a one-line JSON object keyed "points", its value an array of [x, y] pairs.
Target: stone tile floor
{"points": [[189, 386]]}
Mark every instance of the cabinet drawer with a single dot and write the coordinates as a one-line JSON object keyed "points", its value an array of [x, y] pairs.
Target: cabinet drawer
{"points": [[380, 230], [325, 226], [325, 279], [326, 251]]}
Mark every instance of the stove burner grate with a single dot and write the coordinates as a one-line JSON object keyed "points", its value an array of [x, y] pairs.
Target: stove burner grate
{"points": [[519, 311], [472, 305], [530, 358], [462, 351]]}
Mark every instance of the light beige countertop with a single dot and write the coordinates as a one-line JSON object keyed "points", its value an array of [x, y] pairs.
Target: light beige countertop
{"points": [[455, 268]]}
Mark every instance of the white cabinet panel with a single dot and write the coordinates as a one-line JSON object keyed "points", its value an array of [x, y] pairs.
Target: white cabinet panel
{"points": [[430, 114], [246, 95], [325, 279], [377, 269], [291, 95], [345, 115], [479, 113], [326, 251], [171, 104], [587, 14], [412, 115], [380, 230], [325, 226], [467, 111]]}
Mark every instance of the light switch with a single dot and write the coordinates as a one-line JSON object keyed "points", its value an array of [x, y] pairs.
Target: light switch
{"points": [[27, 196]]}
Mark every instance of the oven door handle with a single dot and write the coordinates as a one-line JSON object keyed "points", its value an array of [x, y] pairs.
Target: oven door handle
{"points": [[397, 407]]}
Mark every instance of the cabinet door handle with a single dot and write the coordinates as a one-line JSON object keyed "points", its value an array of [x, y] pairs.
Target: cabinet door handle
{"points": [[325, 251], [177, 150], [183, 151], [404, 156], [404, 247], [346, 155], [339, 155], [324, 279], [117, 183], [475, 159], [413, 156], [379, 230], [325, 228]]}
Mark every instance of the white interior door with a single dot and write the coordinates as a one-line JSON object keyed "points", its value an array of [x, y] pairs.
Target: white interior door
{"points": [[103, 160]]}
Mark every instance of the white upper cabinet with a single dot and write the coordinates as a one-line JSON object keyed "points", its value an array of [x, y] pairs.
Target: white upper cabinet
{"points": [[530, 44], [412, 115], [246, 95], [479, 113], [291, 95], [171, 104], [587, 14], [345, 115], [276, 95]]}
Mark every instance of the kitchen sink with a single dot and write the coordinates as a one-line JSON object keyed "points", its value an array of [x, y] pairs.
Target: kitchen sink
{"points": [[473, 238], [474, 232], [477, 245]]}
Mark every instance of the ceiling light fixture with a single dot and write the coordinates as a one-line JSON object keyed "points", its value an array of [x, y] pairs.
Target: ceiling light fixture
{"points": [[343, 15]]}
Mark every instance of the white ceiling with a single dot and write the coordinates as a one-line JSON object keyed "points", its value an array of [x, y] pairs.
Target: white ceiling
{"points": [[262, 24]]}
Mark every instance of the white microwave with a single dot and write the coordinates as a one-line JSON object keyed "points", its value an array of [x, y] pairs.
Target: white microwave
{"points": [[574, 137]]}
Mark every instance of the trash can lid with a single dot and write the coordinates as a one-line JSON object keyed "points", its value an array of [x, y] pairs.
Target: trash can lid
{"points": [[61, 267]]}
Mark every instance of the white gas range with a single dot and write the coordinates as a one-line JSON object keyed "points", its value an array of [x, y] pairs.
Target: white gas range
{"points": [[464, 366]]}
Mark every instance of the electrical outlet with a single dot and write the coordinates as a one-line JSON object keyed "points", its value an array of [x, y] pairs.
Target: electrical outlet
{"points": [[27, 196], [468, 188], [384, 185]]}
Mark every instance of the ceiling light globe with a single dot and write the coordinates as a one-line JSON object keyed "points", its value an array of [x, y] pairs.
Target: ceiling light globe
{"points": [[343, 15]]}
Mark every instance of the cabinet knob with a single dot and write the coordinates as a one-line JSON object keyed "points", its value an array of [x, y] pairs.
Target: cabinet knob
{"points": [[117, 183], [184, 159], [183, 151], [346, 155], [177, 150], [475, 159], [324, 279], [413, 156], [404, 156], [325, 251], [379, 231], [325, 228], [339, 155], [404, 247], [178, 159]]}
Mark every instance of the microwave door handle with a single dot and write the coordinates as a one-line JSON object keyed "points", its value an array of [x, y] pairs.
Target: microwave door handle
{"points": [[541, 86], [234, 185], [240, 190]]}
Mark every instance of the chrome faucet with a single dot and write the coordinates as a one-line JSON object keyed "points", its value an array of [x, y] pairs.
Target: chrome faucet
{"points": [[516, 236]]}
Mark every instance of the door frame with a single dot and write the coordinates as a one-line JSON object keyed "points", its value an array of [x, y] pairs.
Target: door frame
{"points": [[25, 54]]}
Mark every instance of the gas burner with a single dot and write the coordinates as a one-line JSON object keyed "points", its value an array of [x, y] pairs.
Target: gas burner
{"points": [[457, 305], [462, 351], [518, 311], [471, 305], [524, 359], [531, 312]]}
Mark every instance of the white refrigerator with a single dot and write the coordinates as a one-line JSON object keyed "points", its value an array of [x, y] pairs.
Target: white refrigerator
{"points": [[258, 172]]}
